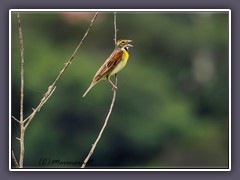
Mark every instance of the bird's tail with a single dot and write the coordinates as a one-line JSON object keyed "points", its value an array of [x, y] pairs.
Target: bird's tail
{"points": [[90, 87]]}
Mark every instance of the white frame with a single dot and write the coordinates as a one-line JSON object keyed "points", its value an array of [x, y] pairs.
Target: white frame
{"points": [[118, 10]]}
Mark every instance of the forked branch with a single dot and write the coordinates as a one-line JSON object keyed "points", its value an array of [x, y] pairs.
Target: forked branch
{"points": [[24, 123]]}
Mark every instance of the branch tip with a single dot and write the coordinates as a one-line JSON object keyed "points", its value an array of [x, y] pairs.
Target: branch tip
{"points": [[15, 160], [16, 119]]}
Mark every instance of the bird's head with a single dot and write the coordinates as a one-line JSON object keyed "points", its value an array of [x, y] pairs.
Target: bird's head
{"points": [[123, 43]]}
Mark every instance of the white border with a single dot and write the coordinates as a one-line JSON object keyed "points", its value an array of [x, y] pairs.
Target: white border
{"points": [[230, 86], [118, 10]]}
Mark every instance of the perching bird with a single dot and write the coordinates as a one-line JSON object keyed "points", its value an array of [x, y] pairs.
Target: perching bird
{"points": [[114, 63]]}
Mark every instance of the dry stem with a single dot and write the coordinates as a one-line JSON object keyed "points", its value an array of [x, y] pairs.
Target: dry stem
{"points": [[111, 106], [14, 159], [115, 28], [22, 129], [46, 96], [22, 66], [52, 87], [104, 126]]}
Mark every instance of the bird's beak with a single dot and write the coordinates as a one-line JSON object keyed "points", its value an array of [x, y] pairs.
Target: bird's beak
{"points": [[129, 45]]}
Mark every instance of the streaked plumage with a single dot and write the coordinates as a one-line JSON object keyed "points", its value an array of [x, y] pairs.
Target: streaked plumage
{"points": [[114, 63]]}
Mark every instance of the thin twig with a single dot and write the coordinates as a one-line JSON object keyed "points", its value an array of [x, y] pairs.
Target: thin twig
{"points": [[110, 110], [52, 87], [16, 119], [116, 80], [46, 96], [100, 134], [15, 160], [115, 27], [22, 129], [38, 108], [22, 66], [74, 53], [115, 38]]}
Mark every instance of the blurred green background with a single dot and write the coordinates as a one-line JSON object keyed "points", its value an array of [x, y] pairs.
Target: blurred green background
{"points": [[171, 109]]}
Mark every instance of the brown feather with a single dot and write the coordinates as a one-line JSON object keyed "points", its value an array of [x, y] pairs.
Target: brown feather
{"points": [[111, 62], [110, 65]]}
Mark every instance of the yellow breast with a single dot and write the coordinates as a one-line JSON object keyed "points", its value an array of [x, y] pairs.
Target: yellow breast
{"points": [[121, 64]]}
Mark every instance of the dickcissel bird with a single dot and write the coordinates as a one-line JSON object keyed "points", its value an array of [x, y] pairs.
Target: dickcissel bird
{"points": [[114, 63]]}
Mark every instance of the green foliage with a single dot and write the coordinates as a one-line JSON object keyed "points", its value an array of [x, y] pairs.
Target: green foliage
{"points": [[172, 100]]}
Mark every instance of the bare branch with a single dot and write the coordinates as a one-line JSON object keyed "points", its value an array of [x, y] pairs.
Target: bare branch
{"points": [[22, 66], [15, 160], [74, 53], [46, 96], [16, 119], [52, 88], [115, 28], [100, 134], [22, 129], [110, 110], [22, 148], [116, 80], [38, 108]]}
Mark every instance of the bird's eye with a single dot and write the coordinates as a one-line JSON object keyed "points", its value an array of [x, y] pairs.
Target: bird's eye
{"points": [[121, 42]]}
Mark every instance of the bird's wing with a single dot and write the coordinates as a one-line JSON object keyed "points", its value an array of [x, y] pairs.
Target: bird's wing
{"points": [[111, 62]]}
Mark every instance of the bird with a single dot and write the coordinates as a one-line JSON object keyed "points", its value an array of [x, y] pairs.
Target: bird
{"points": [[113, 64]]}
